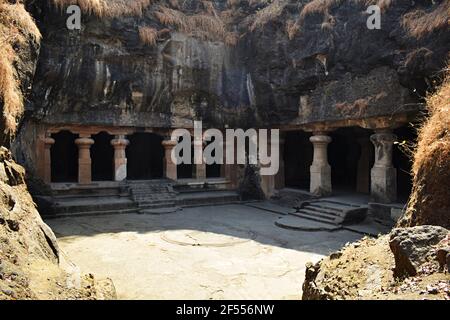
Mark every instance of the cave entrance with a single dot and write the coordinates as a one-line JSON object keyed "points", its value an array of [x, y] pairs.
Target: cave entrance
{"points": [[213, 170], [402, 160], [298, 156], [64, 157], [102, 155], [145, 155], [351, 157], [185, 170]]}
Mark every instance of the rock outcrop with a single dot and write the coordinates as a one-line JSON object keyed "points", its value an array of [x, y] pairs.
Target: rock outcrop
{"points": [[411, 247], [401, 265], [29, 254]]}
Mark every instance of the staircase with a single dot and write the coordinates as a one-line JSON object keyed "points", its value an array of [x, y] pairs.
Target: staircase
{"points": [[152, 194], [331, 212], [90, 200]]}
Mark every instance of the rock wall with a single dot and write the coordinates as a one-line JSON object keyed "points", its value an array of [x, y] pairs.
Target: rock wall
{"points": [[29, 254], [289, 64]]}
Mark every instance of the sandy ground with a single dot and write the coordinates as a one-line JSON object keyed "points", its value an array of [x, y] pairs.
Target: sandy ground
{"points": [[217, 252]]}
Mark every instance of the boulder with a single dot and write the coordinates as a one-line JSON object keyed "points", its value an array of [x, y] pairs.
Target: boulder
{"points": [[414, 246]]}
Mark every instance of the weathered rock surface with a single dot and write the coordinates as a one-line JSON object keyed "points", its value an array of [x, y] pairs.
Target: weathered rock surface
{"points": [[368, 269], [104, 74], [412, 247], [29, 253]]}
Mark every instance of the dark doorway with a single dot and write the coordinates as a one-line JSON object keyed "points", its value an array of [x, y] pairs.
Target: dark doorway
{"points": [[185, 170], [402, 159], [145, 155], [213, 170], [102, 155], [350, 161], [298, 156], [64, 157]]}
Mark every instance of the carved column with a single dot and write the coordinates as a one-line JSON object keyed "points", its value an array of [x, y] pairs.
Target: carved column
{"points": [[84, 144], [200, 168], [231, 169], [170, 168], [47, 161], [383, 174], [119, 144], [320, 169]]}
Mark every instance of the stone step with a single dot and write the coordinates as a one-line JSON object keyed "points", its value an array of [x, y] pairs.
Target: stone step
{"points": [[326, 206], [90, 213], [156, 205], [314, 218], [323, 210], [87, 205], [322, 214]]}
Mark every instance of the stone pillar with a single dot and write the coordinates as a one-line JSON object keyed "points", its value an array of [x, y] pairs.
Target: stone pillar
{"points": [[383, 174], [231, 170], [119, 144], [199, 169], [84, 143], [280, 176], [170, 168], [47, 161], [320, 169], [363, 172]]}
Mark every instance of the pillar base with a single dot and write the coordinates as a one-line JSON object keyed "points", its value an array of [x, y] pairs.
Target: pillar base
{"points": [[384, 184], [320, 180]]}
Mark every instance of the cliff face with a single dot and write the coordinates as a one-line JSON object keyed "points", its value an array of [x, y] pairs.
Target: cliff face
{"points": [[243, 63]]}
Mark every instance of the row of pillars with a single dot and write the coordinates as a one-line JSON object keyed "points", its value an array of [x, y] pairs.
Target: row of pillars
{"points": [[119, 143], [383, 174]]}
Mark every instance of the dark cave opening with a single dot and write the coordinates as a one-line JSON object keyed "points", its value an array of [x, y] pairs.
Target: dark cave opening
{"points": [[351, 157], [145, 155], [213, 170], [406, 139], [185, 170], [102, 156], [298, 157], [64, 157]]}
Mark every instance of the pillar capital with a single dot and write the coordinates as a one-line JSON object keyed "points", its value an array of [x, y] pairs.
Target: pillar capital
{"points": [[169, 144], [120, 142], [48, 142], [84, 142], [320, 139]]}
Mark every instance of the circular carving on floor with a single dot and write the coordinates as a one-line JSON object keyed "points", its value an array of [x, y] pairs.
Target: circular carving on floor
{"points": [[197, 238]]}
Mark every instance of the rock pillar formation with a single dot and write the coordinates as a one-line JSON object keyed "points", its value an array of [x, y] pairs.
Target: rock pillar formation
{"points": [[119, 144], [84, 143], [320, 169], [47, 161], [383, 174], [170, 168], [199, 168]]}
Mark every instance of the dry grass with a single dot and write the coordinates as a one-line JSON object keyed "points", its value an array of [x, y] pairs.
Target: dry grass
{"points": [[420, 23], [429, 202], [292, 28], [108, 8], [269, 13], [148, 35], [16, 26], [202, 26]]}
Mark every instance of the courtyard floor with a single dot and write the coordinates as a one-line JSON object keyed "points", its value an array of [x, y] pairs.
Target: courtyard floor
{"points": [[214, 252]]}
